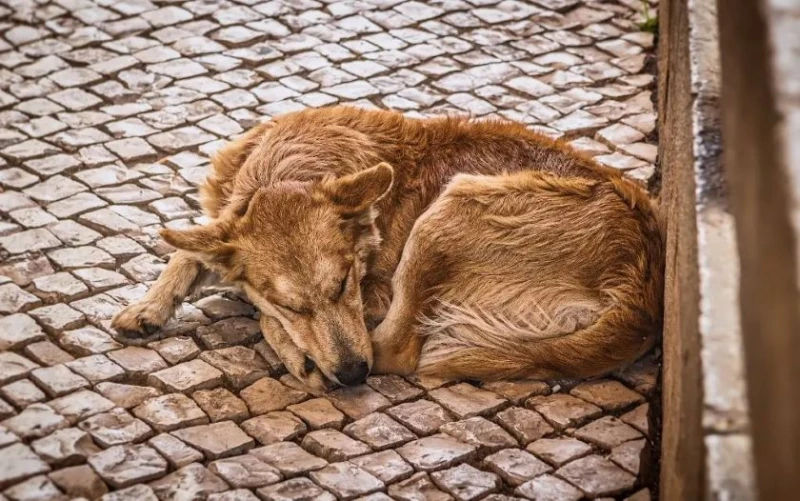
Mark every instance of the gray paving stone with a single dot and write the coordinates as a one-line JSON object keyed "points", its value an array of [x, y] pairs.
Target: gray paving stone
{"points": [[436, 452], [241, 366], [27, 241], [597, 476], [524, 424], [234, 495], [419, 486], [564, 410], [96, 368], [80, 405], [17, 330], [126, 396], [318, 413], [22, 393], [333, 445], [177, 453], [6, 411], [346, 480], [267, 394], [395, 388], [289, 458], [481, 433], [170, 412], [608, 394], [516, 466], [295, 489], [88, 341], [176, 350], [125, 465], [639, 418], [14, 366], [28, 149], [221, 405], [422, 416], [75, 204], [548, 487], [387, 466], [23, 271], [58, 380], [558, 451], [99, 279], [185, 377], [16, 178], [36, 421], [358, 401], [216, 440], [143, 267], [379, 431], [465, 482], [274, 427], [75, 234], [19, 462], [116, 427], [606, 432], [633, 456], [31, 217], [245, 471], [464, 400], [81, 257]]}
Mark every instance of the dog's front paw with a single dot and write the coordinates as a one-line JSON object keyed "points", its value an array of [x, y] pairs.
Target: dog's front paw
{"points": [[141, 319]]}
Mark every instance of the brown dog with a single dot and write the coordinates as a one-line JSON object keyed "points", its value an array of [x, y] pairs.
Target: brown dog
{"points": [[473, 249]]}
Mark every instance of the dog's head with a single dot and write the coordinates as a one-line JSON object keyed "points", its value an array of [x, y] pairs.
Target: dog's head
{"points": [[300, 250]]}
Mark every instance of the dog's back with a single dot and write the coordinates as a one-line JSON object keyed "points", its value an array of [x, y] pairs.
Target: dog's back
{"points": [[425, 154]]}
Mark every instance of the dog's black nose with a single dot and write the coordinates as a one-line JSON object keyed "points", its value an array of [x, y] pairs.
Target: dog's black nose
{"points": [[353, 373]]}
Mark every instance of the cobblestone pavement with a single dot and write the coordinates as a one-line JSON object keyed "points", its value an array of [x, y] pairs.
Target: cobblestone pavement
{"points": [[94, 93]]}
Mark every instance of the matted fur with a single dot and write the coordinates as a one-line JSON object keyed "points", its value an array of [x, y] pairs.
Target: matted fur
{"points": [[485, 251]]}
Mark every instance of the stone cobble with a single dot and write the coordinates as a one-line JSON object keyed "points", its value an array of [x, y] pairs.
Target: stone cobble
{"points": [[109, 111]]}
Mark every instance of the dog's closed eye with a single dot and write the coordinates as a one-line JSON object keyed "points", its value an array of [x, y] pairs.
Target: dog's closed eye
{"points": [[292, 309], [309, 365]]}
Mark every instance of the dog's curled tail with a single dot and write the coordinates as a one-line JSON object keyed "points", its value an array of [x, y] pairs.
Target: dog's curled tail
{"points": [[584, 338]]}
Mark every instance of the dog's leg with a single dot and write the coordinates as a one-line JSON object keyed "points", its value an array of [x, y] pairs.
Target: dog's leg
{"points": [[396, 341], [177, 280]]}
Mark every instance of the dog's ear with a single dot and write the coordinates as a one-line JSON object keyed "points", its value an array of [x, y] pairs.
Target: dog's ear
{"points": [[356, 193], [209, 242]]}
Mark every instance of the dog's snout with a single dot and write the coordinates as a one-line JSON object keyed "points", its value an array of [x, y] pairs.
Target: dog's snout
{"points": [[353, 373]]}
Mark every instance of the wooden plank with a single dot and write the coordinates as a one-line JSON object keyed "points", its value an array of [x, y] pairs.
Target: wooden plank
{"points": [[682, 450]]}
